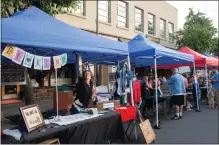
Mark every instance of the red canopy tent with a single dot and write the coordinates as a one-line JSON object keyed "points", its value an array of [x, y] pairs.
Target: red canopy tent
{"points": [[216, 57], [200, 60]]}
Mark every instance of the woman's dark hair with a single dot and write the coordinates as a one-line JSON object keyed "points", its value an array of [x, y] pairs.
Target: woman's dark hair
{"points": [[90, 73]]}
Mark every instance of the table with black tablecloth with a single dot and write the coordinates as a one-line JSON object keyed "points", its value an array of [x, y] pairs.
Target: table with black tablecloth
{"points": [[107, 127]]}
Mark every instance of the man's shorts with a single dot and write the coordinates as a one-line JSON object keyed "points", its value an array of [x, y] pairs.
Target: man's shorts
{"points": [[178, 100]]}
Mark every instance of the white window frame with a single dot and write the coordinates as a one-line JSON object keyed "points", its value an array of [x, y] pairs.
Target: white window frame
{"points": [[154, 25], [171, 25], [126, 13], [142, 19], [78, 8], [108, 17], [163, 36]]}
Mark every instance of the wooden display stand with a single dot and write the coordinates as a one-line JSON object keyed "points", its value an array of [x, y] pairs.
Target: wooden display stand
{"points": [[65, 100], [10, 96], [51, 141]]}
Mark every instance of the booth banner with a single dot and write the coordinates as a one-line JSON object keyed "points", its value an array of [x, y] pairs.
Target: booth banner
{"points": [[28, 60], [63, 59], [19, 56], [9, 51], [57, 62], [46, 63], [38, 62]]}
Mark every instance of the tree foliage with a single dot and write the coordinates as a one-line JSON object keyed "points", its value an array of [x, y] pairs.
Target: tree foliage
{"points": [[52, 7], [198, 33]]}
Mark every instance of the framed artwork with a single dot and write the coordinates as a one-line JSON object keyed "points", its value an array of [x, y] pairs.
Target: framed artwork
{"points": [[32, 117]]}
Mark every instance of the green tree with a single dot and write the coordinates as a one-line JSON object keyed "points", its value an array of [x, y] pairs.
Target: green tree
{"points": [[52, 7], [198, 33]]}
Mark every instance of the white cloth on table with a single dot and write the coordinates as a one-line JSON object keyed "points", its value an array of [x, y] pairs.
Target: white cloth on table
{"points": [[65, 120], [13, 132]]}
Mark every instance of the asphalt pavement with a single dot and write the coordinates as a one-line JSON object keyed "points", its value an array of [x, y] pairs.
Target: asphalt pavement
{"points": [[193, 128]]}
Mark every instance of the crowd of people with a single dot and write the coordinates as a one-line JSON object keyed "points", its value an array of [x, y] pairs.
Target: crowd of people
{"points": [[180, 84]]}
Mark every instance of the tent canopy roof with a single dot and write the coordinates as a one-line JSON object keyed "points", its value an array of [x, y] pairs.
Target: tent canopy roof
{"points": [[35, 31], [200, 60], [142, 52]]}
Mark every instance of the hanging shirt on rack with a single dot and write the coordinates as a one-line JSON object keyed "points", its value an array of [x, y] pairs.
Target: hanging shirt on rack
{"points": [[136, 92]]}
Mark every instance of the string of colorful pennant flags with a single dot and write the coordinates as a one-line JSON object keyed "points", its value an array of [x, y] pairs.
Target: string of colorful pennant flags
{"points": [[20, 56]]}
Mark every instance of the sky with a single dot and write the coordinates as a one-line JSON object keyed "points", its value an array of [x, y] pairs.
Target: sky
{"points": [[210, 8]]}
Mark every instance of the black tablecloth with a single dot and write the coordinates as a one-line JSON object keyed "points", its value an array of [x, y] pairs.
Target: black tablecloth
{"points": [[96, 130]]}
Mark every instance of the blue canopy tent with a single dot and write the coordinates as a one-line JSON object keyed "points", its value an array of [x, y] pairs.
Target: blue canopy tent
{"points": [[140, 48], [41, 34], [144, 52], [35, 31]]}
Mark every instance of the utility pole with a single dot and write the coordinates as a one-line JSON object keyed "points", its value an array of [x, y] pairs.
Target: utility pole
{"points": [[98, 67]]}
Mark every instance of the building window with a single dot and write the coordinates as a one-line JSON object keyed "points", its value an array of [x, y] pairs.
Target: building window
{"points": [[139, 21], [122, 14], [162, 29], [171, 31], [104, 10], [151, 24], [80, 8]]}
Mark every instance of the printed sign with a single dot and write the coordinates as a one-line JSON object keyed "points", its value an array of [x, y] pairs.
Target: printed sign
{"points": [[19, 56], [9, 51], [46, 63], [112, 77], [32, 117], [28, 60], [64, 59], [108, 105], [38, 62], [57, 62]]}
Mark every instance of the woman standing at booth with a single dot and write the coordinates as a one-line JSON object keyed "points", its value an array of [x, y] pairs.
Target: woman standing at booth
{"points": [[84, 92]]}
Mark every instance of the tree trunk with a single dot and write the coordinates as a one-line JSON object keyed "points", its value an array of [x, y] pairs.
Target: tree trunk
{"points": [[28, 91]]}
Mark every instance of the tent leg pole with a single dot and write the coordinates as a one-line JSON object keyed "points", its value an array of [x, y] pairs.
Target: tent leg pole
{"points": [[196, 90], [157, 126], [132, 96], [57, 100]]}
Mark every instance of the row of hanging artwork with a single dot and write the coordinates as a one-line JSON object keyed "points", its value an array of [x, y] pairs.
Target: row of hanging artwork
{"points": [[27, 59]]}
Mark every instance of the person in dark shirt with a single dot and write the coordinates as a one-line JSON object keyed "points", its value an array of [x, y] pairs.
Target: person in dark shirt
{"points": [[84, 92]]}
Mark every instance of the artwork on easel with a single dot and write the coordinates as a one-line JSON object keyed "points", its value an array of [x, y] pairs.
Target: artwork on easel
{"points": [[32, 117]]}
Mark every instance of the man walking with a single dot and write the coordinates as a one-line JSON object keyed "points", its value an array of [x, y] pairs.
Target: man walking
{"points": [[215, 81], [177, 90]]}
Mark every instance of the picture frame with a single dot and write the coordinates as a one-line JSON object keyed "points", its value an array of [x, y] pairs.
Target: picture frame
{"points": [[32, 117]]}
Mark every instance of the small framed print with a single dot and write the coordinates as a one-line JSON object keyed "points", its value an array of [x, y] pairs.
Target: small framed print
{"points": [[32, 117]]}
